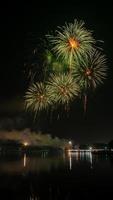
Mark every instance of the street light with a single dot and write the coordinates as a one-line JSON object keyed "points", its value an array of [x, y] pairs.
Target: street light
{"points": [[70, 142], [25, 144], [90, 148]]}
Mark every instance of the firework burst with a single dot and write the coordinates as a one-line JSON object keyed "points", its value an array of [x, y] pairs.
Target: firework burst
{"points": [[63, 88], [54, 65], [37, 97], [91, 72], [72, 41]]}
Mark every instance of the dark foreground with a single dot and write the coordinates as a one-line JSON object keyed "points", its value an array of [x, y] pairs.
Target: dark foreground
{"points": [[64, 177]]}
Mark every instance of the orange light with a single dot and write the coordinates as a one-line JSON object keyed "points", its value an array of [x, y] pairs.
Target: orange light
{"points": [[63, 90], [42, 96], [73, 43], [88, 72], [25, 143]]}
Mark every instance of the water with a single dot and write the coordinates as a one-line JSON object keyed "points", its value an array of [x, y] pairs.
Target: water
{"points": [[64, 177]]}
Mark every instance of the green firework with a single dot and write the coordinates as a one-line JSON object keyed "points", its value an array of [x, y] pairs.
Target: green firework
{"points": [[72, 41], [54, 65], [91, 71], [37, 97], [63, 88]]}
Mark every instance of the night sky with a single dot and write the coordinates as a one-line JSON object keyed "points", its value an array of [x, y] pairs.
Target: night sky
{"points": [[38, 20]]}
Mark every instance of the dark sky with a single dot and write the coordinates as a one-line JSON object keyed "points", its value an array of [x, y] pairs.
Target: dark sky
{"points": [[17, 25]]}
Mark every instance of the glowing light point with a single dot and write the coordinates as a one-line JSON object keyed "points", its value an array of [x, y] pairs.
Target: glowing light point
{"points": [[41, 96], [73, 43], [70, 142], [25, 144], [90, 148], [88, 72]]}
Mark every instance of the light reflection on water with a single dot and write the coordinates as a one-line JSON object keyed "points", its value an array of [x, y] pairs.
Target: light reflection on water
{"points": [[58, 176], [45, 163], [25, 160], [80, 156], [30, 164]]}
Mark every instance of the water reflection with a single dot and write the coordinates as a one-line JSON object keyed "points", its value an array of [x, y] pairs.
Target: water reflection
{"points": [[45, 163], [25, 160], [80, 156], [30, 164], [70, 161], [61, 177], [34, 198]]}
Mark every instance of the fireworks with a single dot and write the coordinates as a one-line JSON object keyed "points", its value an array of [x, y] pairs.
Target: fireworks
{"points": [[60, 89], [72, 68], [54, 65], [63, 88], [37, 97], [72, 41], [92, 71]]}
